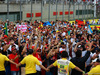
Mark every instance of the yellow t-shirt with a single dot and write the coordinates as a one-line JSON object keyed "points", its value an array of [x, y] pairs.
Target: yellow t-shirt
{"points": [[3, 58], [95, 71], [63, 66], [30, 62]]}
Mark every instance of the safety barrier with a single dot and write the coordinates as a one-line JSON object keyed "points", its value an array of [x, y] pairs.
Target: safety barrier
{"points": [[90, 21]]}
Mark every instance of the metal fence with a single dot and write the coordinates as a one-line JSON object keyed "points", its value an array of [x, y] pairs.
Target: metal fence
{"points": [[82, 10]]}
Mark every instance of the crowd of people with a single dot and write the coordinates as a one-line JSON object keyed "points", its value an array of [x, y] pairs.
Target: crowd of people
{"points": [[56, 48]]}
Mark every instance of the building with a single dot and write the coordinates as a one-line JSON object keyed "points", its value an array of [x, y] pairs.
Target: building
{"points": [[48, 10]]}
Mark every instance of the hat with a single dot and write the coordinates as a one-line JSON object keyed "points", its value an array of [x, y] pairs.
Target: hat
{"points": [[79, 46], [38, 49], [28, 37], [13, 49], [33, 47], [24, 35], [29, 29], [95, 60], [5, 36], [23, 41]]}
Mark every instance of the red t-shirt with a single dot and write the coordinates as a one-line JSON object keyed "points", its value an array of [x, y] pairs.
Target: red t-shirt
{"points": [[12, 66], [37, 56]]}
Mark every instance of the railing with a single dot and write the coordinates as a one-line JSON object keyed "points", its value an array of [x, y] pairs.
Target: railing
{"points": [[45, 1]]}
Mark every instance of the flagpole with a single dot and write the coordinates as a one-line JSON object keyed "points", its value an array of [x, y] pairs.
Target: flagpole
{"points": [[78, 10], [73, 8], [82, 9], [7, 9], [20, 11], [41, 9], [56, 10], [69, 11], [49, 10], [31, 9], [63, 11]]}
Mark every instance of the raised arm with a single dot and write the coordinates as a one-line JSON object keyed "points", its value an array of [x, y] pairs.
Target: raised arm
{"points": [[76, 46], [19, 40], [36, 42], [24, 49], [7, 46]]}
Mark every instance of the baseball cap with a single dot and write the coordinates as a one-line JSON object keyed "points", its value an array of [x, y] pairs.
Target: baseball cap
{"points": [[13, 49], [23, 41], [38, 49], [33, 47], [24, 35], [5, 36], [79, 46], [95, 60]]}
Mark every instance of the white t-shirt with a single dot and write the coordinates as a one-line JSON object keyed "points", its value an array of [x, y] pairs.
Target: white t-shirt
{"points": [[61, 49], [67, 48], [16, 47], [63, 68], [37, 67], [63, 34], [73, 46], [72, 40]]}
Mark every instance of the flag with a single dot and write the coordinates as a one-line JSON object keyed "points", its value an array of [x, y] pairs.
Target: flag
{"points": [[5, 29], [90, 30], [79, 22]]}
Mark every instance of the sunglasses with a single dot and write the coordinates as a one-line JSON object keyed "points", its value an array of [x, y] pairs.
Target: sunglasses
{"points": [[38, 51]]}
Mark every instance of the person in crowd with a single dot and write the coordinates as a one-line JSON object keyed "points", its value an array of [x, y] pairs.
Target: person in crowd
{"points": [[48, 40], [64, 65], [14, 57], [31, 61]]}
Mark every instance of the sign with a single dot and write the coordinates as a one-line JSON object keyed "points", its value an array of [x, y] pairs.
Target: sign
{"points": [[22, 28]]}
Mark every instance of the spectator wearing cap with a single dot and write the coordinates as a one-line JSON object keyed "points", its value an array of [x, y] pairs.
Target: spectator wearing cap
{"points": [[6, 39], [54, 34], [15, 58], [15, 39], [38, 56], [96, 69], [14, 45], [5, 47], [24, 37], [62, 47]]}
